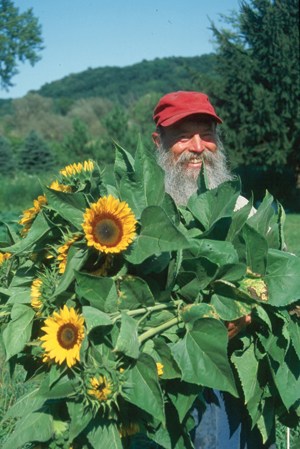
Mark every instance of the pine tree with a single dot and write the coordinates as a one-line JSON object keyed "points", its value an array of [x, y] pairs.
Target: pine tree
{"points": [[75, 143], [7, 162], [35, 156]]}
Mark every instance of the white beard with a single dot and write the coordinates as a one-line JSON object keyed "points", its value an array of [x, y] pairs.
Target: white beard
{"points": [[181, 182]]}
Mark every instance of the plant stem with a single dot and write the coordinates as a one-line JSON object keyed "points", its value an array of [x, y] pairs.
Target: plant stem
{"points": [[147, 310], [159, 329]]}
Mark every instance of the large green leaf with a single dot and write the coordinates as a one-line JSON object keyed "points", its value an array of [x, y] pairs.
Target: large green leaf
{"points": [[215, 204], [287, 378], [170, 367], [103, 433], [260, 221], [128, 342], [70, 206], [257, 250], [134, 293], [218, 252], [202, 356], [203, 268], [282, 278], [37, 426], [100, 292], [182, 396], [239, 218], [94, 318], [248, 372], [124, 163], [158, 234], [65, 386], [28, 403], [230, 309], [77, 256], [144, 390], [18, 331], [294, 330], [80, 418]]}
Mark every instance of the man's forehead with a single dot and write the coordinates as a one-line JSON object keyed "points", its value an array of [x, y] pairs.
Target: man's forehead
{"points": [[190, 124]]}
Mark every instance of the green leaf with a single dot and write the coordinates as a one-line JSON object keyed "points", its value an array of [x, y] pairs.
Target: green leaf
{"points": [[18, 331], [144, 390], [104, 434], [260, 221], [282, 278], [257, 250], [70, 206], [128, 342], [287, 378], [229, 309], [203, 268], [170, 369], [239, 218], [134, 293], [37, 426], [294, 330], [64, 387], [76, 259], [80, 418], [248, 372], [158, 234], [266, 421], [20, 297], [100, 292], [218, 252], [28, 403], [182, 396], [202, 356], [211, 206], [124, 163], [94, 318]]}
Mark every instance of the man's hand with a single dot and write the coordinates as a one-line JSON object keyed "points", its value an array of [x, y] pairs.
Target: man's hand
{"points": [[234, 327]]}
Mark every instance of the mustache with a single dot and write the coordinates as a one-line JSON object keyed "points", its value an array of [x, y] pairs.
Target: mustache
{"points": [[188, 156]]}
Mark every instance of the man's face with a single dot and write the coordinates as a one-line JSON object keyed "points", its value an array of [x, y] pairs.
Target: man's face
{"points": [[182, 148], [186, 140]]}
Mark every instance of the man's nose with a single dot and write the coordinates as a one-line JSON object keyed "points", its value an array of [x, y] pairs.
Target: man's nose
{"points": [[197, 144]]}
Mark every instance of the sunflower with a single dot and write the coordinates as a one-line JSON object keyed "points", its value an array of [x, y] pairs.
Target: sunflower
{"points": [[63, 253], [30, 214], [4, 257], [160, 369], [65, 333], [109, 225], [100, 388], [60, 187], [130, 428], [77, 168], [36, 303]]}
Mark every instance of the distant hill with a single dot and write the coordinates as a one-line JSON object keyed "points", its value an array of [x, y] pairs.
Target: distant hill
{"points": [[124, 84]]}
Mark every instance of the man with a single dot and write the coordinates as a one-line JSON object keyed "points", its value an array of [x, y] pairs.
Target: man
{"points": [[186, 137]]}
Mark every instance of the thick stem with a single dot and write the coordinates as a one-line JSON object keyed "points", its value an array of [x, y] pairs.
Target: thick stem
{"points": [[147, 310], [159, 329]]}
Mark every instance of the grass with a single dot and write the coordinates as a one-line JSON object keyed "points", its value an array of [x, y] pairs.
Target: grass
{"points": [[12, 389]]}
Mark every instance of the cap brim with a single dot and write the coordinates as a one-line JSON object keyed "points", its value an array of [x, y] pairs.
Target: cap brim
{"points": [[171, 120]]}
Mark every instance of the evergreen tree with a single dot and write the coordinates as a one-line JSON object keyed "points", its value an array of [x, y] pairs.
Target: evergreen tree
{"points": [[35, 156], [7, 162], [75, 143], [258, 92]]}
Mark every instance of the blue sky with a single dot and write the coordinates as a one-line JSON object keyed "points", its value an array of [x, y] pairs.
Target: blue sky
{"points": [[95, 33]]}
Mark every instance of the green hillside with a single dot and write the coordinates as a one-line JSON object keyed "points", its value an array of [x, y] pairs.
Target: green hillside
{"points": [[126, 84]]}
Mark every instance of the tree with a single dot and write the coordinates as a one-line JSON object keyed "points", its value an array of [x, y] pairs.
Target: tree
{"points": [[20, 39], [75, 143], [258, 92], [35, 155], [7, 163]]}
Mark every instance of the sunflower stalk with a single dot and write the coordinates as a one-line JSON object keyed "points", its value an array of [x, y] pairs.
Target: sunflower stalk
{"points": [[159, 329], [147, 310]]}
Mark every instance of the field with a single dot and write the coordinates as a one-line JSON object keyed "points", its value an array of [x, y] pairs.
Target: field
{"points": [[10, 390]]}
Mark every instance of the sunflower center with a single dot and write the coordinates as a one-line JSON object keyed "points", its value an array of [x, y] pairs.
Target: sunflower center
{"points": [[108, 231], [67, 335]]}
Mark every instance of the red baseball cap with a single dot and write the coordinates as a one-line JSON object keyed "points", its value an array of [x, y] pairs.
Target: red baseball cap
{"points": [[177, 105]]}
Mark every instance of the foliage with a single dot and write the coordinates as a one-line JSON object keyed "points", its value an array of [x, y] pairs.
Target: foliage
{"points": [[258, 99], [7, 162], [35, 156], [126, 84], [292, 233], [20, 40], [152, 314]]}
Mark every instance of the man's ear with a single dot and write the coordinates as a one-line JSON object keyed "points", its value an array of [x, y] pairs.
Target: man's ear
{"points": [[156, 139]]}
